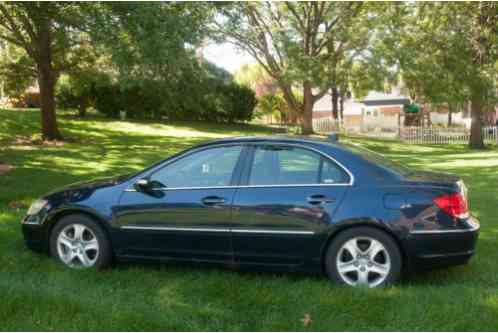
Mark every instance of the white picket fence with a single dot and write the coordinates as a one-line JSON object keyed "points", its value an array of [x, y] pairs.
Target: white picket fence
{"points": [[439, 135], [325, 125], [411, 135]]}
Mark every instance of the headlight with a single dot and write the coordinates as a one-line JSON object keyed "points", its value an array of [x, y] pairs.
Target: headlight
{"points": [[37, 206]]}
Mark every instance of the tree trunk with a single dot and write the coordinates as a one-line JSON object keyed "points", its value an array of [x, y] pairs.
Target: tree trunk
{"points": [[307, 123], [335, 105], [46, 81], [476, 141], [450, 113], [341, 107], [294, 109], [82, 108]]}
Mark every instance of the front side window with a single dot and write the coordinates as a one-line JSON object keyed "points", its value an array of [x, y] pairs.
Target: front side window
{"points": [[287, 165], [207, 168]]}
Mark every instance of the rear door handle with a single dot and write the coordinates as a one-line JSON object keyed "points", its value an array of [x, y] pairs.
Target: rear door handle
{"points": [[213, 200], [318, 199]]}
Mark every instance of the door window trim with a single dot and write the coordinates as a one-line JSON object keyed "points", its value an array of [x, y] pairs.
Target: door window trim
{"points": [[234, 178], [244, 166], [247, 169]]}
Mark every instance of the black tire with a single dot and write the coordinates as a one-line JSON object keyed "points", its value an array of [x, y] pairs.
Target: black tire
{"points": [[104, 257], [355, 232]]}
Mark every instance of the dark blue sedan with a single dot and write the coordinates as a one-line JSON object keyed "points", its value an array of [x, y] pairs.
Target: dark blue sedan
{"points": [[266, 202]]}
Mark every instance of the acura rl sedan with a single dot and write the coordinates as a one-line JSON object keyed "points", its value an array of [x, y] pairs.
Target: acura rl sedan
{"points": [[264, 202]]}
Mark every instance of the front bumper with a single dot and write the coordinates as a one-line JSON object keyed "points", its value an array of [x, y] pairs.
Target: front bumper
{"points": [[439, 248], [35, 236]]}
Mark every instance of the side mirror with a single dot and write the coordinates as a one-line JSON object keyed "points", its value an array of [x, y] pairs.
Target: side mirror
{"points": [[143, 185]]}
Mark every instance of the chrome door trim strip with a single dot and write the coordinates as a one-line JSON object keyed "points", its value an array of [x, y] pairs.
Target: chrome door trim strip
{"points": [[263, 231], [214, 229], [175, 228], [453, 231]]}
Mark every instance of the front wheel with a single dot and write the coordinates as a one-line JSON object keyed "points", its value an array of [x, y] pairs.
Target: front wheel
{"points": [[363, 256], [79, 242]]}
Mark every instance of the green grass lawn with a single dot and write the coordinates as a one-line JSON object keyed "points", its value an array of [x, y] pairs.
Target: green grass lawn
{"points": [[36, 293]]}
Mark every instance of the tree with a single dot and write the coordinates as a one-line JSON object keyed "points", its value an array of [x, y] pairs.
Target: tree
{"points": [[290, 40], [46, 32], [446, 53], [146, 44], [154, 41], [273, 105], [254, 76]]}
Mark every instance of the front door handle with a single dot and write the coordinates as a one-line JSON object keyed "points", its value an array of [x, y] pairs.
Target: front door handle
{"points": [[318, 199], [213, 200]]}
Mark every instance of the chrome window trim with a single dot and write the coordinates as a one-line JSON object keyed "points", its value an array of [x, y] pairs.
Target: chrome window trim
{"points": [[350, 174], [214, 229], [235, 187]]}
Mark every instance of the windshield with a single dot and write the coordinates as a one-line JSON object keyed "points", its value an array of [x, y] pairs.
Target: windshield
{"points": [[378, 159]]}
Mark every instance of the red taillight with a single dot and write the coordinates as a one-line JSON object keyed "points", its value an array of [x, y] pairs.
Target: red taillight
{"points": [[454, 204]]}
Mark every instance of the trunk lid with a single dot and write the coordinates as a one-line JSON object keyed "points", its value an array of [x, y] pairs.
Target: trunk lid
{"points": [[432, 178]]}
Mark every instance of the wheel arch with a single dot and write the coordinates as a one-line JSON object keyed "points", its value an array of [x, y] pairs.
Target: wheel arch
{"points": [[356, 224], [54, 218]]}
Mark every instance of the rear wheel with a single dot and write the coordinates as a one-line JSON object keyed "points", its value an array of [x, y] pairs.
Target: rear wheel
{"points": [[79, 242], [363, 256]]}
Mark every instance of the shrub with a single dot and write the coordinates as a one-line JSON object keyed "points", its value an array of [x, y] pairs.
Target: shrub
{"points": [[108, 99], [32, 99], [197, 96], [239, 103]]}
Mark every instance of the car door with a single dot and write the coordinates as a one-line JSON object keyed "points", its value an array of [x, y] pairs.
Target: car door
{"points": [[289, 195], [187, 213]]}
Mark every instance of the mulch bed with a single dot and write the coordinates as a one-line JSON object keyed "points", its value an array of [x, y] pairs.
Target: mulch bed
{"points": [[28, 141], [4, 168]]}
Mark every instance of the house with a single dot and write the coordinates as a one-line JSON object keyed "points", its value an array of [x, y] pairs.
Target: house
{"points": [[377, 109], [385, 110]]}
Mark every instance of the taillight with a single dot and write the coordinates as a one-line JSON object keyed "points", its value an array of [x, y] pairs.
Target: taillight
{"points": [[453, 204]]}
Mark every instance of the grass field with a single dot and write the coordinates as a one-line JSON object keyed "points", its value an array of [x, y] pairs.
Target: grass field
{"points": [[36, 293]]}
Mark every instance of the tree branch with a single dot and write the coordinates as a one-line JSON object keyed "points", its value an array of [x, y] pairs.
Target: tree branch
{"points": [[300, 22], [9, 24]]}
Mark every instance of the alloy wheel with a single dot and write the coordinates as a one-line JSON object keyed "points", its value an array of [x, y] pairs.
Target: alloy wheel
{"points": [[77, 246], [363, 261]]}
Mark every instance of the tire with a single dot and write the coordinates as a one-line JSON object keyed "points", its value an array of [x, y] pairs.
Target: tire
{"points": [[90, 250], [359, 268]]}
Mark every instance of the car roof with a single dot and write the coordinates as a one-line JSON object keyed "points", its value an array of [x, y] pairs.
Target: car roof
{"points": [[271, 138]]}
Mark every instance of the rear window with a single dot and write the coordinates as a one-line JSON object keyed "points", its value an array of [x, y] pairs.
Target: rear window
{"points": [[379, 160]]}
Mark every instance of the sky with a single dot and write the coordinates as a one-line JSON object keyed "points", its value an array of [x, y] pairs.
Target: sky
{"points": [[227, 56]]}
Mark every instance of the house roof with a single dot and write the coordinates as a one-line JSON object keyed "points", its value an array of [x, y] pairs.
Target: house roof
{"points": [[354, 106], [377, 98]]}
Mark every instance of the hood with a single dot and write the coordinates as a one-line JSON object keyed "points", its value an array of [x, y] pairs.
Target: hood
{"points": [[88, 187]]}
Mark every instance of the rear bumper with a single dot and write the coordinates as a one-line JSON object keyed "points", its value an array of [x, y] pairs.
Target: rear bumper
{"points": [[428, 250]]}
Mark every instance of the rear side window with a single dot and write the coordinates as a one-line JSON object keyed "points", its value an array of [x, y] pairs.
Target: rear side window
{"points": [[287, 165]]}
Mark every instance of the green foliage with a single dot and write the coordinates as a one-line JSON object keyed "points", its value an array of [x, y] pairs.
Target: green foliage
{"points": [[211, 95], [310, 45], [274, 105], [446, 54], [16, 70], [159, 74], [255, 77], [239, 103], [39, 294]]}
